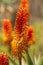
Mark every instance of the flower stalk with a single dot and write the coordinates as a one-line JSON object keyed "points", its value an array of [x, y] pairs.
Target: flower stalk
{"points": [[20, 59], [29, 60]]}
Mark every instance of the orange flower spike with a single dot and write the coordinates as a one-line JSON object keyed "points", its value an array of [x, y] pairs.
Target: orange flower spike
{"points": [[4, 59], [7, 27], [18, 45], [22, 16], [31, 38]]}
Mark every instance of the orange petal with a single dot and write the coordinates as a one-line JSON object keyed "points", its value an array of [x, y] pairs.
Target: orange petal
{"points": [[30, 33], [7, 27]]}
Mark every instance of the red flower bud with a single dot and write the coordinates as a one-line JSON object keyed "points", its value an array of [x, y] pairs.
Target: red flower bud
{"points": [[4, 59]]}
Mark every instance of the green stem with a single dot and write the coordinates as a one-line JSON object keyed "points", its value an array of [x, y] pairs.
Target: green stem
{"points": [[20, 63], [13, 62], [30, 62]]}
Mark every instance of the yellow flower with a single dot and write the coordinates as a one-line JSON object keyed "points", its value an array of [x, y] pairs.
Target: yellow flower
{"points": [[5, 39], [14, 48]]}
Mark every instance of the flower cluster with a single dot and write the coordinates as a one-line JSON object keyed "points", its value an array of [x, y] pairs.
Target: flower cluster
{"points": [[4, 59], [23, 33]]}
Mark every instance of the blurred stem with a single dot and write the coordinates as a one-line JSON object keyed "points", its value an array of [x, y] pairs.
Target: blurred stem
{"points": [[29, 60], [20, 63], [13, 62]]}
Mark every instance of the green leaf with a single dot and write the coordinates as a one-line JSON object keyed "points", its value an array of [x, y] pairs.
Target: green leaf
{"points": [[13, 62], [20, 61], [29, 60]]}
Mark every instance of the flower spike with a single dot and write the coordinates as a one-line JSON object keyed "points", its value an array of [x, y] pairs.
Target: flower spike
{"points": [[22, 17], [7, 30]]}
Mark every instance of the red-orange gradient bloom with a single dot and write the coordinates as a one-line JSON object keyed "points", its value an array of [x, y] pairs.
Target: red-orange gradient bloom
{"points": [[31, 37], [30, 33], [7, 30], [4, 59], [22, 17], [23, 34], [17, 45], [7, 27]]}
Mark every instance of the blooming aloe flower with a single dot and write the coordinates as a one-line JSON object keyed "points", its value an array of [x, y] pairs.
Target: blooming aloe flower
{"points": [[23, 34]]}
